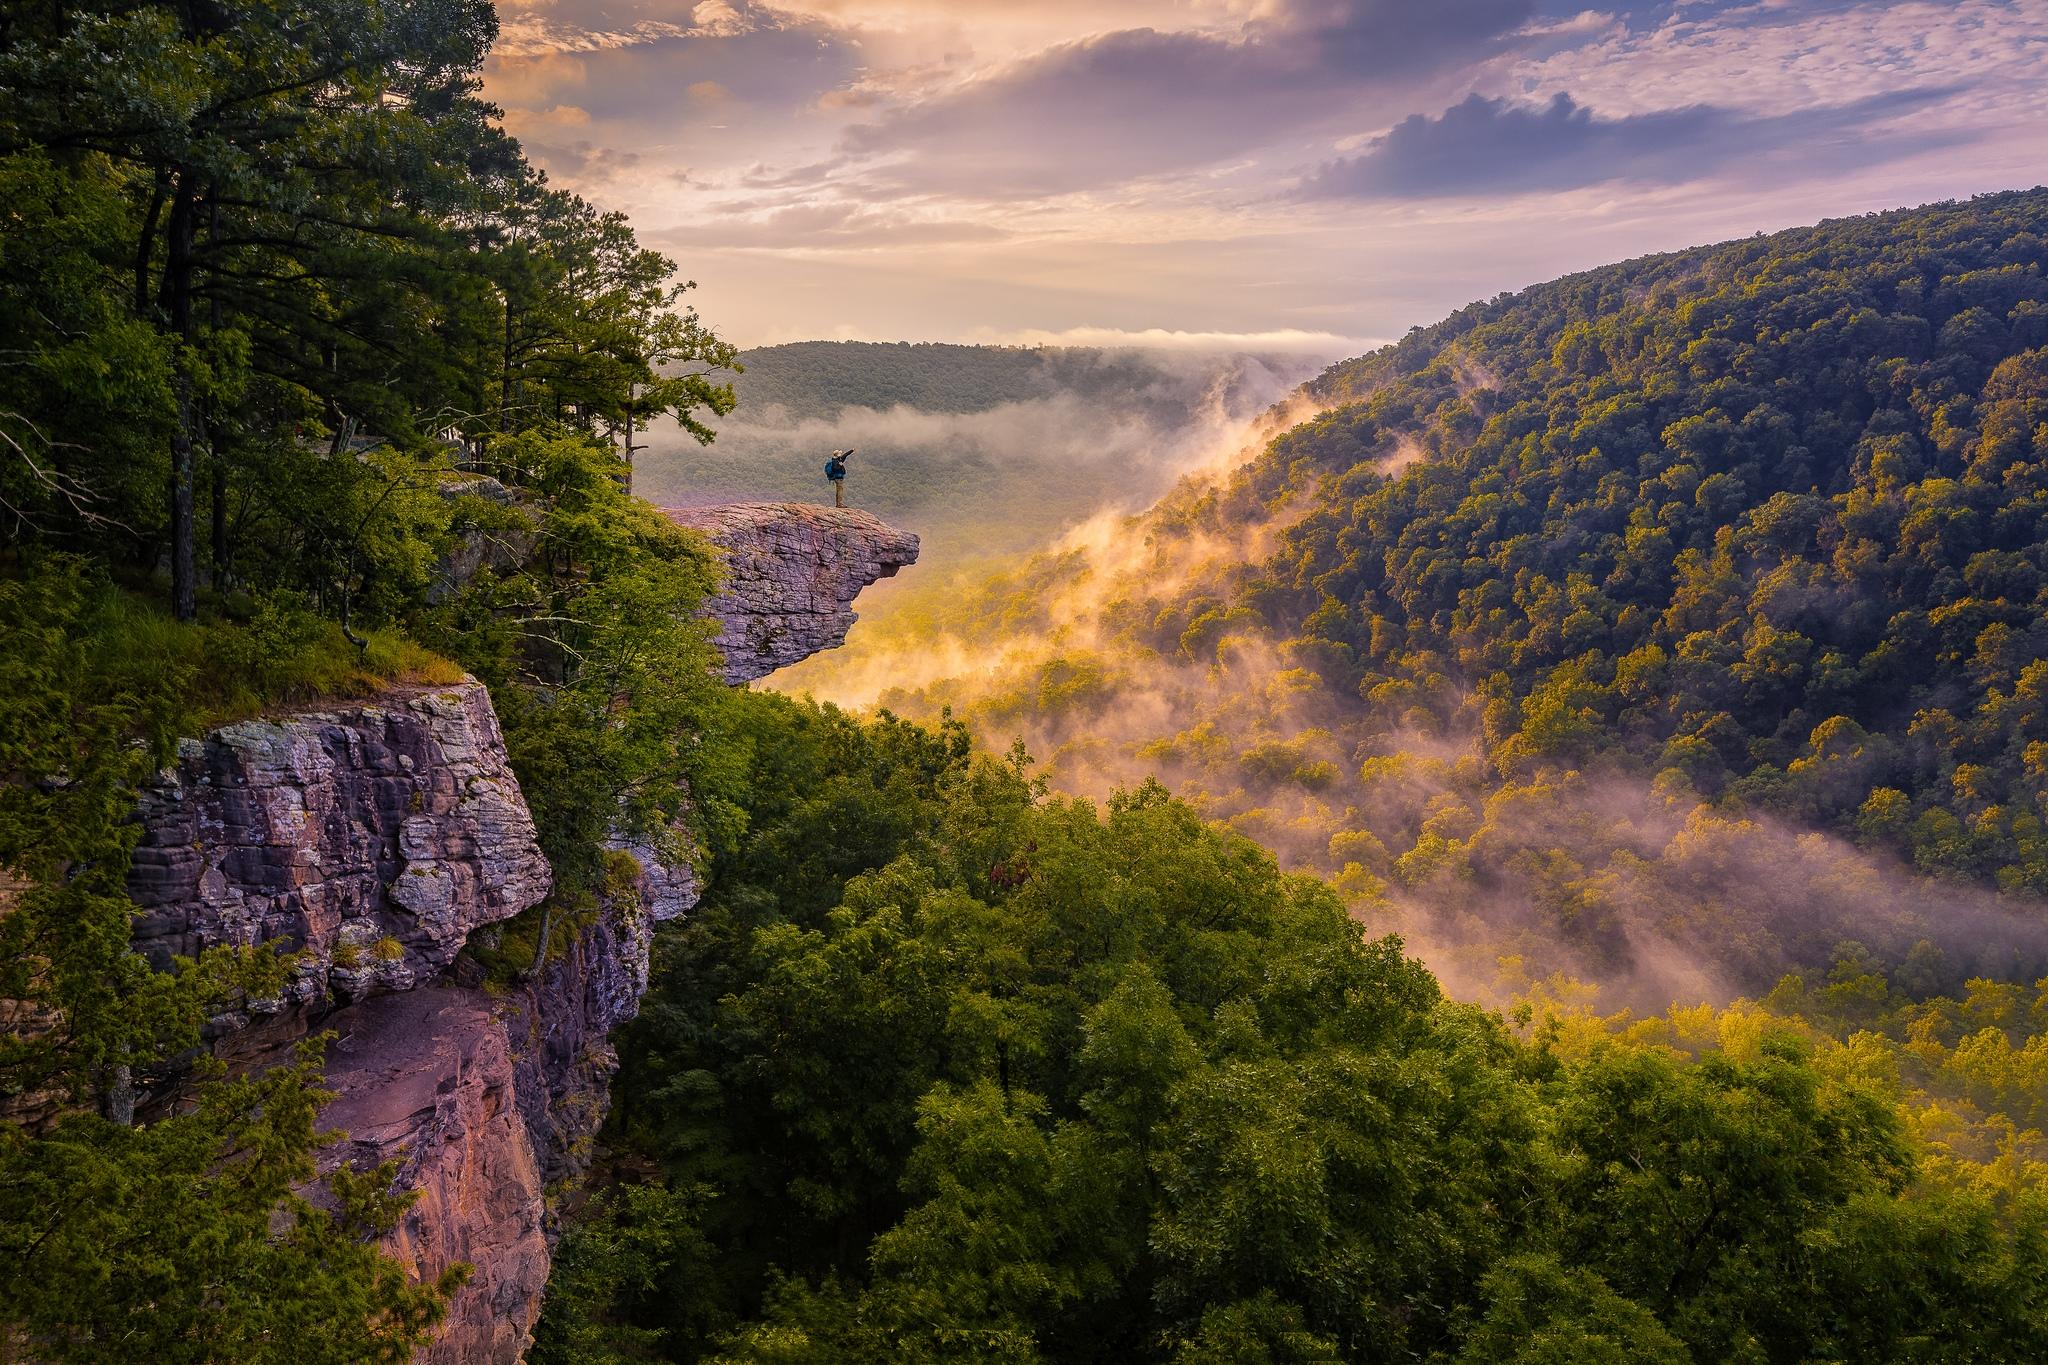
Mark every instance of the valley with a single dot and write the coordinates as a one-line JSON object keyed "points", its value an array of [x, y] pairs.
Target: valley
{"points": [[1132, 823]]}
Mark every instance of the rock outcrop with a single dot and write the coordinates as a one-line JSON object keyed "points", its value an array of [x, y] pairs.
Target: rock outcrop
{"points": [[792, 572], [373, 836], [561, 1020], [377, 838], [489, 1101]]}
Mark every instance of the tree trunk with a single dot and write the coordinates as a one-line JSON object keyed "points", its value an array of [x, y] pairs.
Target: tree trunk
{"points": [[177, 298], [222, 565], [117, 1095], [145, 248], [217, 462], [629, 440], [505, 374]]}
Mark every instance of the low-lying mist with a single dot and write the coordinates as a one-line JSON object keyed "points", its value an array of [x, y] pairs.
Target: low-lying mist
{"points": [[976, 477], [1114, 654]]}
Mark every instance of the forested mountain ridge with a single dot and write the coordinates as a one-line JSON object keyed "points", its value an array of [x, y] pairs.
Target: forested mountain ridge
{"points": [[826, 377], [949, 1068], [1769, 517], [310, 385]]}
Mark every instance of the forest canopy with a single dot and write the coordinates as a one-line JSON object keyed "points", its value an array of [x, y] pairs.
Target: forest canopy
{"points": [[948, 1068], [309, 382]]}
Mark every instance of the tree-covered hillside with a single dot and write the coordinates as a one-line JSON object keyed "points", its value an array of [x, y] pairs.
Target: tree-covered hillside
{"points": [[310, 384], [1770, 519], [821, 378], [945, 1069], [1589, 600]]}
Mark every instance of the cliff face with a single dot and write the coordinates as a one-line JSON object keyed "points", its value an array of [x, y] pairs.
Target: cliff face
{"points": [[374, 836], [378, 836], [562, 1019], [429, 1079], [792, 572]]}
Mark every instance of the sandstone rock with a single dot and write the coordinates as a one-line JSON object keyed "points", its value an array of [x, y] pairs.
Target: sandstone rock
{"points": [[427, 1078], [560, 1025], [667, 887], [375, 835], [792, 572], [490, 1102], [379, 835]]}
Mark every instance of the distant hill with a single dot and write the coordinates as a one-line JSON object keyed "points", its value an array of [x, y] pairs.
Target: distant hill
{"points": [[980, 449], [822, 378]]}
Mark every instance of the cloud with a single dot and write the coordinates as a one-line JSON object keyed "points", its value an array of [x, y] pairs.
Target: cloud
{"points": [[833, 225], [650, 76], [1497, 146], [1040, 164], [1142, 102], [587, 162], [1281, 341]]}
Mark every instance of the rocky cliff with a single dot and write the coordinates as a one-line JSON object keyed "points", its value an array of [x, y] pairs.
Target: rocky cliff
{"points": [[374, 837], [792, 572], [382, 836], [430, 1079]]}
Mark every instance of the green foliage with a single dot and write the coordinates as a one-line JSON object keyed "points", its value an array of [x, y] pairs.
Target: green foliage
{"points": [[85, 716], [80, 357], [1539, 1312], [1787, 455], [602, 672], [193, 1239], [274, 284], [272, 262], [113, 1226], [987, 1075], [639, 1239]]}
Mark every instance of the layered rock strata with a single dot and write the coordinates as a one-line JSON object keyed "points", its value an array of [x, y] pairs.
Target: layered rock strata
{"points": [[561, 1019], [429, 1079], [791, 574], [372, 837]]}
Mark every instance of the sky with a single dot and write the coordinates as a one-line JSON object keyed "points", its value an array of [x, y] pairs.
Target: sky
{"points": [[1307, 175]]}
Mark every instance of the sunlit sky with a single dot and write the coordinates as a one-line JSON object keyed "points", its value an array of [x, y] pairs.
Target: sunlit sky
{"points": [[1310, 174]]}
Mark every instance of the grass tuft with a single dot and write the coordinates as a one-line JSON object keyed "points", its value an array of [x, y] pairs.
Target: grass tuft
{"points": [[278, 653]]}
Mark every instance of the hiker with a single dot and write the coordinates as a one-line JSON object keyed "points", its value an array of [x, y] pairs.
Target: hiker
{"points": [[835, 470]]}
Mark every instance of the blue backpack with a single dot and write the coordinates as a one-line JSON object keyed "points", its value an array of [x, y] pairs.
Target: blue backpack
{"points": [[835, 469]]}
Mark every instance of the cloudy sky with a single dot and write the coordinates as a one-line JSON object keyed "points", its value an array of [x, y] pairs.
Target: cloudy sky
{"points": [[1313, 173]]}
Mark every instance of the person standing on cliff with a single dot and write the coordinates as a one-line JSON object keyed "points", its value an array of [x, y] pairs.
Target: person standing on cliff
{"points": [[835, 470]]}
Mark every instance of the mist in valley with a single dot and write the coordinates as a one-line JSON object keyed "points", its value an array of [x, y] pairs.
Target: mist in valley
{"points": [[1625, 889], [978, 464]]}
